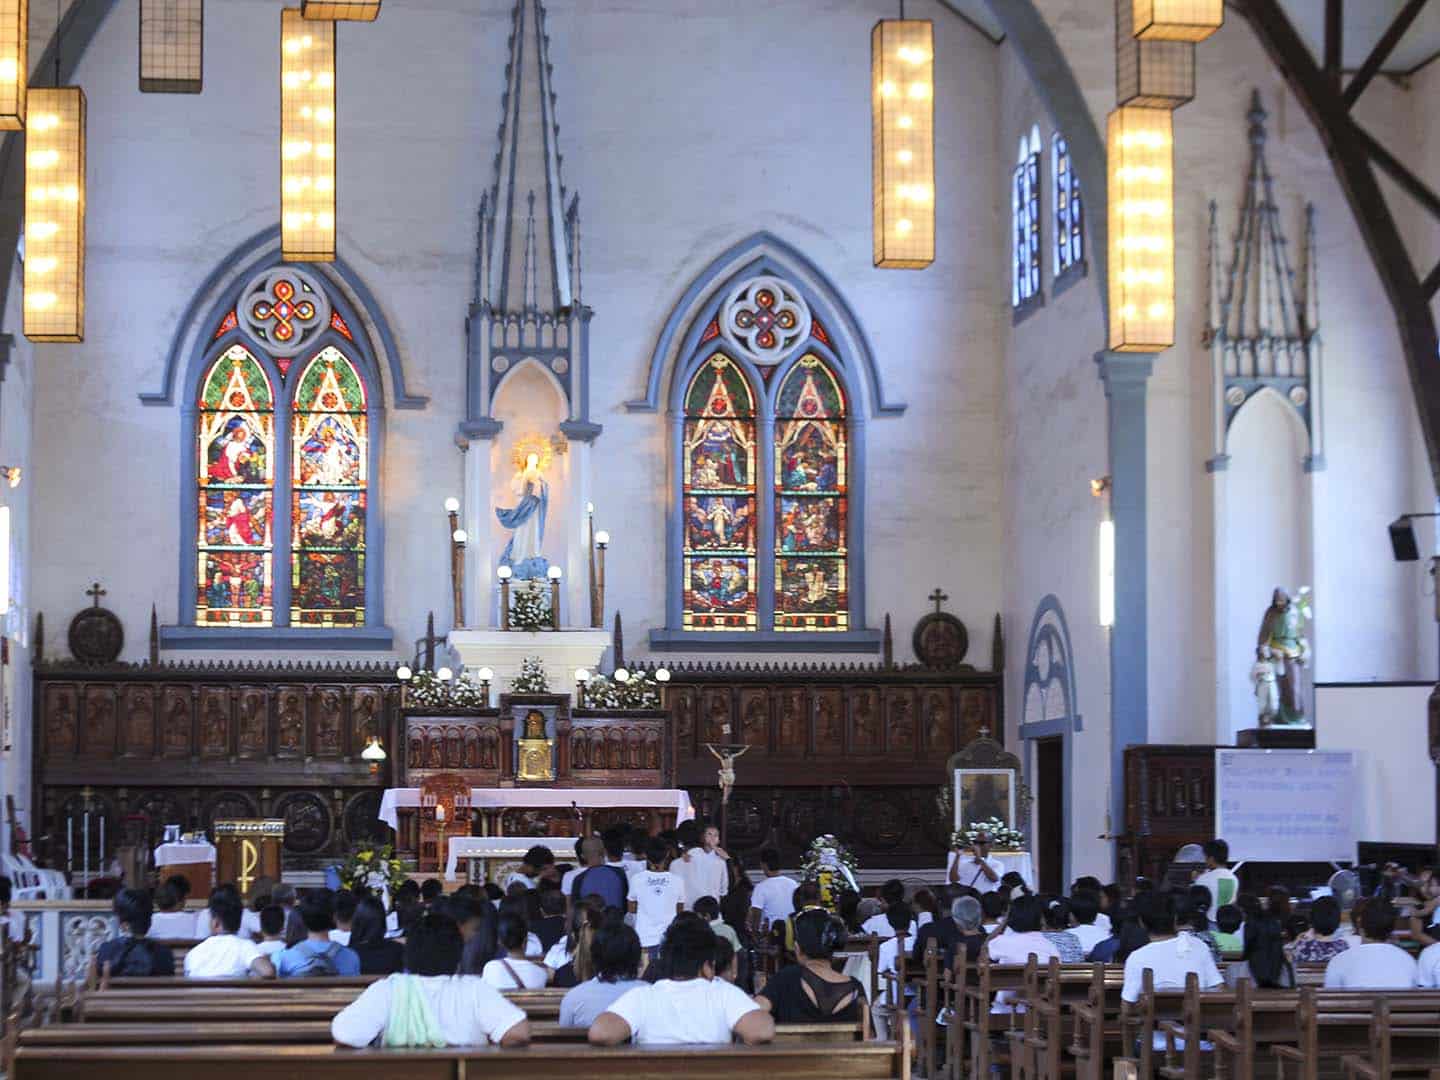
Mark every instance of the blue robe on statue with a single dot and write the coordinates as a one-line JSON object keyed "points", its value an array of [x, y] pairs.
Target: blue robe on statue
{"points": [[526, 520]]}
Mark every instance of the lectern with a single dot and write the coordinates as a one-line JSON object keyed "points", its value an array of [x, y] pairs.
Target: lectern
{"points": [[248, 850]]}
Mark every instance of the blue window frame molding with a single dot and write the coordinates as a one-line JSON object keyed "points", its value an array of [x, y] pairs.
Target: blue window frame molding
{"points": [[197, 342], [688, 340], [1049, 705]]}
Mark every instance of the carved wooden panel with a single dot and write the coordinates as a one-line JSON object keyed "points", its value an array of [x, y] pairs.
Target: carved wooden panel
{"points": [[865, 732], [716, 717], [937, 719], [900, 727], [98, 738], [60, 719], [176, 721], [214, 722], [978, 710], [682, 710], [829, 721], [463, 744], [327, 718], [137, 711], [755, 719], [252, 736], [622, 753], [290, 723], [792, 720], [367, 709], [1169, 795]]}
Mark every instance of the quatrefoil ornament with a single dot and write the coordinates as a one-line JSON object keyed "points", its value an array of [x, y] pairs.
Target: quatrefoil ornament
{"points": [[284, 308], [765, 319]]}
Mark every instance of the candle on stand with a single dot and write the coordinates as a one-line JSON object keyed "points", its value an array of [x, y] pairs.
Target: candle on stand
{"points": [[439, 811]]}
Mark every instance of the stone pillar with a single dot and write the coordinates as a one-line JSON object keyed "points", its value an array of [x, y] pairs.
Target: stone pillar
{"points": [[1125, 376]]}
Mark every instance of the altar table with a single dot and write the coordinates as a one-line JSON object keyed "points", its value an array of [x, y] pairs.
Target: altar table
{"points": [[489, 849], [667, 799]]}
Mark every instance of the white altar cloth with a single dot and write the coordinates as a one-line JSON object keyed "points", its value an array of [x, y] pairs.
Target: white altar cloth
{"points": [[178, 854], [542, 798], [1003, 863], [500, 847]]}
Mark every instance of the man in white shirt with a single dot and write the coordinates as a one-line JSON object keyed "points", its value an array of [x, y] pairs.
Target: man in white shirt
{"points": [[773, 899], [1218, 878], [691, 1006], [704, 869], [656, 895], [1428, 970], [1374, 964], [891, 894], [1024, 938], [171, 922], [226, 955], [1084, 911], [539, 862], [466, 1012], [975, 869], [567, 883], [1170, 957], [345, 904]]}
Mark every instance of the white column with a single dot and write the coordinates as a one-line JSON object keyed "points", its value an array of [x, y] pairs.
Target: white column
{"points": [[475, 513]]}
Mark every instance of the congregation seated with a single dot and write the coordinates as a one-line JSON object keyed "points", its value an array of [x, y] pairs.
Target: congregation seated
{"points": [[1263, 961], [1322, 942], [272, 930], [1374, 964], [607, 965], [942, 931], [317, 954], [568, 959], [1229, 930], [1023, 937], [378, 954], [773, 898], [476, 918], [899, 920], [1057, 930], [429, 1005], [170, 921], [550, 926], [811, 990], [1084, 919], [1170, 955], [225, 954], [689, 1005], [132, 954], [708, 908], [345, 904], [511, 970], [891, 894]]}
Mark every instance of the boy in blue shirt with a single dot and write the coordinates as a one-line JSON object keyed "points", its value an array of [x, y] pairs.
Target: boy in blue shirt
{"points": [[316, 954]]}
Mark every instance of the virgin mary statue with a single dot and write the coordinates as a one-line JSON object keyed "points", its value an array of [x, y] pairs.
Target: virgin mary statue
{"points": [[526, 521]]}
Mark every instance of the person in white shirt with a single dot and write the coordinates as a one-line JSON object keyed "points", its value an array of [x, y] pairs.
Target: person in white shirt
{"points": [[14, 923], [345, 904], [773, 898], [512, 971], [1428, 969], [568, 881], [976, 869], [539, 862], [171, 922], [1084, 911], [1218, 878], [1169, 956], [656, 895], [703, 868], [1374, 964], [226, 955], [901, 922], [1024, 938], [891, 893], [431, 1004], [691, 1006]]}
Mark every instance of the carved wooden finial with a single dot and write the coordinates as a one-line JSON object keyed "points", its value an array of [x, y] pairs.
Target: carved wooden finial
{"points": [[95, 592]]}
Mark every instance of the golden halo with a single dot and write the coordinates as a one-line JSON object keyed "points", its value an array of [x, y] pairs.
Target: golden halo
{"points": [[532, 444]]}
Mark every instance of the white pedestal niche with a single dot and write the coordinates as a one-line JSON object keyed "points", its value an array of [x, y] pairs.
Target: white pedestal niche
{"points": [[503, 651]]}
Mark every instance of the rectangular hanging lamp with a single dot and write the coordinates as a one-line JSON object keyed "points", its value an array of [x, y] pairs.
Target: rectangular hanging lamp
{"points": [[1139, 146], [1153, 74], [902, 142], [172, 46], [351, 11], [14, 69], [55, 215], [307, 138], [1177, 20]]}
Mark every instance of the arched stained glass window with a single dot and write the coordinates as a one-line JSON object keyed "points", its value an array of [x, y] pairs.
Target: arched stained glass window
{"points": [[719, 463], [1025, 221], [1069, 211], [236, 478], [329, 455], [811, 500]]}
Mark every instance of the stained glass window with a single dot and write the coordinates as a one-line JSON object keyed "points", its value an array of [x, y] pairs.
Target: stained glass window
{"points": [[329, 475], [1069, 209], [811, 501], [719, 499], [236, 477], [1025, 218]]}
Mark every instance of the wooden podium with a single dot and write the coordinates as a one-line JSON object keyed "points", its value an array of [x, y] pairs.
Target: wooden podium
{"points": [[248, 850]]}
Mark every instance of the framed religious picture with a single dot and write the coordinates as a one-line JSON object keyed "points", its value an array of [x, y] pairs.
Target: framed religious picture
{"points": [[984, 795]]}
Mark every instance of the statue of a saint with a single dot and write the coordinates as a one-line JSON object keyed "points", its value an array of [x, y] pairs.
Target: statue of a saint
{"points": [[1280, 655], [526, 521]]}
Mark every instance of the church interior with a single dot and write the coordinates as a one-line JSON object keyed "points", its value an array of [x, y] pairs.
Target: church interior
{"points": [[915, 438]]}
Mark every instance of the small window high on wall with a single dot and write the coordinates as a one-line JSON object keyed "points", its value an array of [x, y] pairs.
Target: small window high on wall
{"points": [[1068, 209], [1025, 224]]}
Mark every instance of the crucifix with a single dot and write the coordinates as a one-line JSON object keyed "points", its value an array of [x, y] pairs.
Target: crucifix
{"points": [[95, 592], [938, 598], [726, 753], [429, 641]]}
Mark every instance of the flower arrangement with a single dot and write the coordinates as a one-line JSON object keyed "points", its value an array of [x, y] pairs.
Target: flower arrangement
{"points": [[999, 834], [532, 678], [373, 867], [530, 608], [428, 689], [623, 690], [830, 864]]}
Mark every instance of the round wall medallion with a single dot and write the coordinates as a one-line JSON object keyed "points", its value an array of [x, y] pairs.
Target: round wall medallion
{"points": [[765, 318], [1235, 396], [940, 640], [96, 636], [1299, 396], [560, 365], [501, 364]]}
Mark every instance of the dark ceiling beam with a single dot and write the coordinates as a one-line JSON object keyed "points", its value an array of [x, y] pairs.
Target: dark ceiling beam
{"points": [[1416, 188], [1350, 157], [1431, 284], [1382, 50], [1334, 39]]}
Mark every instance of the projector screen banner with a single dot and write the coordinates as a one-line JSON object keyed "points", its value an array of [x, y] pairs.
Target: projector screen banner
{"points": [[1286, 805]]}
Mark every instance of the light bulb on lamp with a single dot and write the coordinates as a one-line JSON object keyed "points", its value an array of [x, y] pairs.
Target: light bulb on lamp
{"points": [[582, 675], [445, 674], [403, 673], [452, 505], [602, 539], [662, 675], [485, 674], [621, 675], [553, 573], [460, 536], [504, 573]]}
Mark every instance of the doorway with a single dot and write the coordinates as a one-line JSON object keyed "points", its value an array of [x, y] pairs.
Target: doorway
{"points": [[1050, 814]]}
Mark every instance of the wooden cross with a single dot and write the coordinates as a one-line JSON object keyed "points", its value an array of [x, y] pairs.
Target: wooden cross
{"points": [[95, 591], [938, 598]]}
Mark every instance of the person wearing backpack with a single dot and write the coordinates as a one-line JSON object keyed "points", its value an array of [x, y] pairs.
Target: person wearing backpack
{"points": [[131, 954], [317, 955]]}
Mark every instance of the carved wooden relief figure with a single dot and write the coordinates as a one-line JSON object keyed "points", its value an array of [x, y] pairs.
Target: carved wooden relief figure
{"points": [[328, 715], [99, 722], [139, 709], [214, 723], [175, 721], [253, 702], [60, 728], [867, 719], [290, 730]]}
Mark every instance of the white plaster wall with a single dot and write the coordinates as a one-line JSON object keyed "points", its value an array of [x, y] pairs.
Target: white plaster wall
{"points": [[684, 128]]}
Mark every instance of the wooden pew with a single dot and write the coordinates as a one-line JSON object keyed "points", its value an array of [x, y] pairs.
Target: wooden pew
{"points": [[198, 1003], [1418, 1045], [1335, 1023], [858, 1061], [1097, 1030]]}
